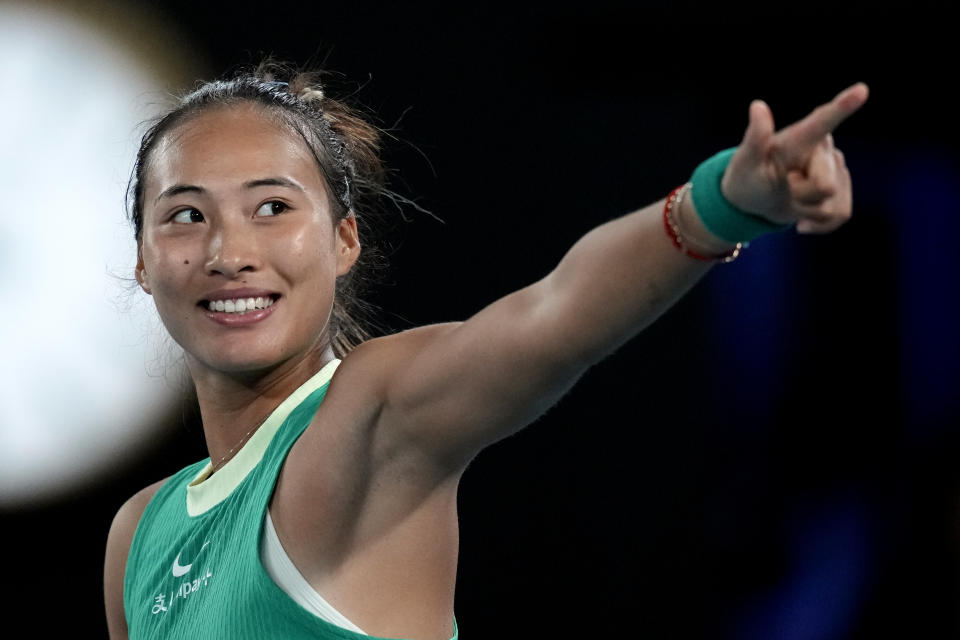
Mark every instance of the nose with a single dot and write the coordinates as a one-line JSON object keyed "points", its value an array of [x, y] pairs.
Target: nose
{"points": [[231, 249]]}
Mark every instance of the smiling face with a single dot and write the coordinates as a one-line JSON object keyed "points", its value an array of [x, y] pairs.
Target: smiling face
{"points": [[236, 209]]}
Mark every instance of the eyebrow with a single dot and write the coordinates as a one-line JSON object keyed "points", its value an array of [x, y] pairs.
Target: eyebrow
{"points": [[273, 182], [177, 189]]}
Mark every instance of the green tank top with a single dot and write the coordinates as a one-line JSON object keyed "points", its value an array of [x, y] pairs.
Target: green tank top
{"points": [[194, 567]]}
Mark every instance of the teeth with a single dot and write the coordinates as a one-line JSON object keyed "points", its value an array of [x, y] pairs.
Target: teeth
{"points": [[239, 305]]}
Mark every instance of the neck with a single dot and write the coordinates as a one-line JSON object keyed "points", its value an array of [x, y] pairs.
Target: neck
{"points": [[233, 406]]}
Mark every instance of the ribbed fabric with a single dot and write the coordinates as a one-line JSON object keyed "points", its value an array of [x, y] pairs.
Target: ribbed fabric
{"points": [[200, 576]]}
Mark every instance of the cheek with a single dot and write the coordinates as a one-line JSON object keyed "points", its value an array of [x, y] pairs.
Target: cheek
{"points": [[166, 272], [160, 252], [308, 253], [169, 295]]}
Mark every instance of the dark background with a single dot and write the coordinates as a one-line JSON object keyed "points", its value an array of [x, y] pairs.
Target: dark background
{"points": [[773, 458]]}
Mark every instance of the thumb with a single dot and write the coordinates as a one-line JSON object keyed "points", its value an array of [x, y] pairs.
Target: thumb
{"points": [[760, 130]]}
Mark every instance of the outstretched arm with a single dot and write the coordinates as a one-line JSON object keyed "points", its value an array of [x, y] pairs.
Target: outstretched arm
{"points": [[452, 389]]}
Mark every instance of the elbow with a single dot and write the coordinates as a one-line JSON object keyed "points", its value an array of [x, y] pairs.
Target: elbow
{"points": [[567, 329], [582, 327]]}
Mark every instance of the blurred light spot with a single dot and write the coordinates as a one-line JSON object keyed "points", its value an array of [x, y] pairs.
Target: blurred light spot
{"points": [[76, 392]]}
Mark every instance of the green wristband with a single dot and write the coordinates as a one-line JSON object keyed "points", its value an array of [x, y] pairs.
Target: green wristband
{"points": [[720, 217]]}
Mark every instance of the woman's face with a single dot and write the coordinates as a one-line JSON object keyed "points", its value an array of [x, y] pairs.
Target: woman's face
{"points": [[235, 210]]}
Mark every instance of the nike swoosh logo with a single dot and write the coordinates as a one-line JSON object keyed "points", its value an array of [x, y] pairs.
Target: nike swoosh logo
{"points": [[180, 570]]}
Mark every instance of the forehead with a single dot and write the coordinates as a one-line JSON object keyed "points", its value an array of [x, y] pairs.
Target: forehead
{"points": [[224, 147]]}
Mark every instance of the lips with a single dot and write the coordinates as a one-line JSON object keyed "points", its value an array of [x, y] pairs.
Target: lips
{"points": [[250, 304]]}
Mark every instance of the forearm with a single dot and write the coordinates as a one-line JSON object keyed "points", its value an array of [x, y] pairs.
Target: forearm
{"points": [[622, 275]]}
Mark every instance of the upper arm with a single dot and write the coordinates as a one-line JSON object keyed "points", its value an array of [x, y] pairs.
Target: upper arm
{"points": [[118, 547], [452, 389]]}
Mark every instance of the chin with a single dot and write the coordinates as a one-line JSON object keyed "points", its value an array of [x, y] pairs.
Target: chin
{"points": [[244, 360]]}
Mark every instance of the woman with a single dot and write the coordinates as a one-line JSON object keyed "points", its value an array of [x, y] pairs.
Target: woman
{"points": [[327, 508]]}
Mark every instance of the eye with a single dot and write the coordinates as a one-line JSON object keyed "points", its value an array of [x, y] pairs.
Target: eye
{"points": [[272, 208], [187, 216]]}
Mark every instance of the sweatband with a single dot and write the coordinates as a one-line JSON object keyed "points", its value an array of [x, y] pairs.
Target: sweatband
{"points": [[720, 217]]}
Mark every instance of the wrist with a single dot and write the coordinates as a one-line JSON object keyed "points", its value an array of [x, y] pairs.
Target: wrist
{"points": [[695, 233], [718, 215], [681, 239]]}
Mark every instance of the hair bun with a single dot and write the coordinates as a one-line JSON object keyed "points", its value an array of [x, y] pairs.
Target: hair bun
{"points": [[311, 94]]}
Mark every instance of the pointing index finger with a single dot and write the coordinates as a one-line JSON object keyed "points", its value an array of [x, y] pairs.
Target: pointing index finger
{"points": [[801, 137]]}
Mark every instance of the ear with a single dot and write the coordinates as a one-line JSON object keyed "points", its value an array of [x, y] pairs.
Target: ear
{"points": [[348, 244], [141, 273]]}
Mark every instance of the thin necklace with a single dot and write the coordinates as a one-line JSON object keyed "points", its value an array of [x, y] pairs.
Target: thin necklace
{"points": [[242, 440]]}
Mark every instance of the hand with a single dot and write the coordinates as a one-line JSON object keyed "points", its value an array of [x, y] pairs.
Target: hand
{"points": [[796, 174]]}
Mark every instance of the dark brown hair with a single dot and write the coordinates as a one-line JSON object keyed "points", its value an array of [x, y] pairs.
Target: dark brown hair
{"points": [[345, 146]]}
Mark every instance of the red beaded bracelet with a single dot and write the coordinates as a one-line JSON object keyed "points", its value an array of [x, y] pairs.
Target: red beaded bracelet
{"points": [[673, 201]]}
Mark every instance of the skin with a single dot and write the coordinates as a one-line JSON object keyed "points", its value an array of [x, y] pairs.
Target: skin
{"points": [[365, 505]]}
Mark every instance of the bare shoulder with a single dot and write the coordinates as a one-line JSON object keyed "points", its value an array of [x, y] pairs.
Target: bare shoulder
{"points": [[118, 547], [128, 516], [371, 368]]}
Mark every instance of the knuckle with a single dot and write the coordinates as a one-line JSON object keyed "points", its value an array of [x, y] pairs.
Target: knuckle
{"points": [[806, 195], [825, 187], [838, 213], [810, 214]]}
